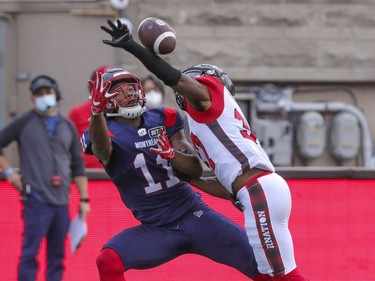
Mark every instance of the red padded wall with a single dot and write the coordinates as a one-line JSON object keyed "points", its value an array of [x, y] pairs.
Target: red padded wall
{"points": [[332, 223]]}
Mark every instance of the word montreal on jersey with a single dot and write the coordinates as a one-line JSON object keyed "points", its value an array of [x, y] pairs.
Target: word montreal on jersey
{"points": [[153, 133]]}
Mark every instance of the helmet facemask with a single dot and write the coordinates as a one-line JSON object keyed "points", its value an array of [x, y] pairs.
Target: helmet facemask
{"points": [[130, 99]]}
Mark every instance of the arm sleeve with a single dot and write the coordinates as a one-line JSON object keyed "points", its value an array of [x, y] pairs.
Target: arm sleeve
{"points": [[163, 70]]}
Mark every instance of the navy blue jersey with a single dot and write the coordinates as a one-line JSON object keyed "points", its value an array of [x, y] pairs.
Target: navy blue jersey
{"points": [[144, 180]]}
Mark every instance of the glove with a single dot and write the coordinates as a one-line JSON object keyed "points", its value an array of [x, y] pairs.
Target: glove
{"points": [[99, 94], [121, 36], [165, 150]]}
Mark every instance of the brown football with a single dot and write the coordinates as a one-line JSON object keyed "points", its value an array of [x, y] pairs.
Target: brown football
{"points": [[157, 35]]}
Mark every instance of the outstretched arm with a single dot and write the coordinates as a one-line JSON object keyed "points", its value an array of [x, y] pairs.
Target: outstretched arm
{"points": [[196, 94], [98, 130]]}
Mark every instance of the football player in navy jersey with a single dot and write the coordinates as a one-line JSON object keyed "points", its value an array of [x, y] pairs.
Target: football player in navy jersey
{"points": [[222, 138], [173, 218]]}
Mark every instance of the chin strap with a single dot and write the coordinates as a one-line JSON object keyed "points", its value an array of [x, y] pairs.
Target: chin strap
{"points": [[128, 112]]}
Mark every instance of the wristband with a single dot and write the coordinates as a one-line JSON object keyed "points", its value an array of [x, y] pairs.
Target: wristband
{"points": [[8, 171], [86, 200]]}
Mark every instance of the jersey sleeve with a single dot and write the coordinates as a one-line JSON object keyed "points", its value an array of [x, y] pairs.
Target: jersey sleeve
{"points": [[13, 130], [77, 162], [216, 89], [173, 121]]}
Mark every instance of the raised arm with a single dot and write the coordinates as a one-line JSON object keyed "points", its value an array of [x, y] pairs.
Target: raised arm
{"points": [[196, 94], [98, 130]]}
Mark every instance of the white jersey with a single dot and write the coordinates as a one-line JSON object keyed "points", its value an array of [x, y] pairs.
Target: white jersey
{"points": [[222, 136]]}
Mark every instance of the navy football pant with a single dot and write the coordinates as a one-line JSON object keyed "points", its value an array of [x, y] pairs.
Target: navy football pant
{"points": [[43, 220], [201, 231]]}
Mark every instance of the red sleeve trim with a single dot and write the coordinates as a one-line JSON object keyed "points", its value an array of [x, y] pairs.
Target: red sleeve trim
{"points": [[216, 89], [170, 116]]}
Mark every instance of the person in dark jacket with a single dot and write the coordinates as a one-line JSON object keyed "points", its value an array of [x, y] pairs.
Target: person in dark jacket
{"points": [[50, 156]]}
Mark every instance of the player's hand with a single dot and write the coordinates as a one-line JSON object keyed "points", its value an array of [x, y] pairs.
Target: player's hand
{"points": [[121, 36], [165, 150], [99, 94]]}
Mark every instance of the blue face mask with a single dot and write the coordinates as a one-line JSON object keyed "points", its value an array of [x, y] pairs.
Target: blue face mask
{"points": [[45, 103]]}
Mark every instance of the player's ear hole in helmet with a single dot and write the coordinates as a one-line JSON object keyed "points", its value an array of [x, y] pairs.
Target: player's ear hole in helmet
{"points": [[133, 99], [206, 69]]}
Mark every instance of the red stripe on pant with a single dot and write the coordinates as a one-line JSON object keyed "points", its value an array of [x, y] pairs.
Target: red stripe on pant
{"points": [[264, 227]]}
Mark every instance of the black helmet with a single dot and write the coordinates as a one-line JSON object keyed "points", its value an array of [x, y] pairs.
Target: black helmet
{"points": [[206, 69]]}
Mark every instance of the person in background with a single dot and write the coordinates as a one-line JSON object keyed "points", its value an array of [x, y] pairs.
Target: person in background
{"points": [[154, 91], [80, 116], [50, 157], [223, 139], [173, 218]]}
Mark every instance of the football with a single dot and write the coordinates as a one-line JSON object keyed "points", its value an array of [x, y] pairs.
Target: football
{"points": [[157, 35]]}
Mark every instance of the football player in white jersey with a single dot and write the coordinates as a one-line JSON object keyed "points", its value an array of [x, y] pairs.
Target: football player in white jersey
{"points": [[223, 139]]}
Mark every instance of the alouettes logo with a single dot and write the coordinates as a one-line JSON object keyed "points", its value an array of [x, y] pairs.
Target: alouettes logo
{"points": [[154, 132], [265, 230]]}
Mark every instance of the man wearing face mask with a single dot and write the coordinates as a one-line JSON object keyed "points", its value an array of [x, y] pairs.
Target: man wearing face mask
{"points": [[154, 91], [49, 156]]}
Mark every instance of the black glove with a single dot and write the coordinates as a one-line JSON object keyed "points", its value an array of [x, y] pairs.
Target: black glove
{"points": [[121, 36]]}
